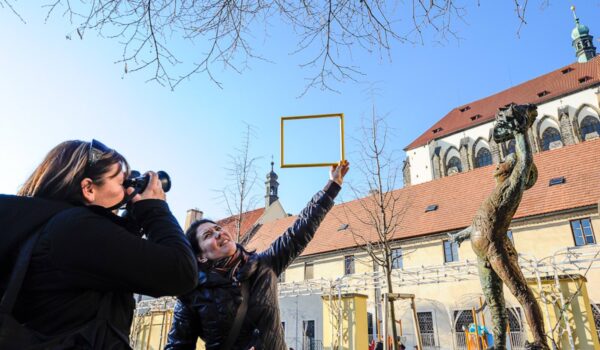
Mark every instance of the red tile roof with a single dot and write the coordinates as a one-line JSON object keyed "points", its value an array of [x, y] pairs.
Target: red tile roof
{"points": [[249, 218], [539, 90], [458, 198]]}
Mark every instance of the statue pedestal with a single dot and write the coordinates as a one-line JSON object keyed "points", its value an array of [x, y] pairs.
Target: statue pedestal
{"points": [[576, 323]]}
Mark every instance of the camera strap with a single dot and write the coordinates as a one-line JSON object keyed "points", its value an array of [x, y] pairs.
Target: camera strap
{"points": [[126, 199], [239, 318]]}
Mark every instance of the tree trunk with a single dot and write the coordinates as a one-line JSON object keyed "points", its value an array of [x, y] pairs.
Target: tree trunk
{"points": [[388, 273]]}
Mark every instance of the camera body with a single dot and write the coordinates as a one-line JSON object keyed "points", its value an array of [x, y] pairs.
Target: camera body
{"points": [[513, 118], [139, 182]]}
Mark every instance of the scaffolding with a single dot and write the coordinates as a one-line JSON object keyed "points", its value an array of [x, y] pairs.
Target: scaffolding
{"points": [[568, 261], [565, 262]]}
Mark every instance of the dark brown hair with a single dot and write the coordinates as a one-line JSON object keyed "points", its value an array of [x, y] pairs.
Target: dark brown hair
{"points": [[190, 234], [59, 175]]}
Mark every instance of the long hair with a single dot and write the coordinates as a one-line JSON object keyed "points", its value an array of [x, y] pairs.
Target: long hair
{"points": [[59, 175]]}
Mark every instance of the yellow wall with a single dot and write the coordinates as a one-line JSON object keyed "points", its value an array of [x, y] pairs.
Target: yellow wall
{"points": [[539, 238], [354, 322], [578, 312]]}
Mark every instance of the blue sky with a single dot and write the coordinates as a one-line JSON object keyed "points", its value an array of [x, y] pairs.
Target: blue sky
{"points": [[53, 89]]}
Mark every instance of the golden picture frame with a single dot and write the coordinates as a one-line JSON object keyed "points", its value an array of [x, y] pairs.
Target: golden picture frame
{"points": [[340, 116]]}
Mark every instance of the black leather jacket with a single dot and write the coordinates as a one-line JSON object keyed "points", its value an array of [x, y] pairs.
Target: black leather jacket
{"points": [[208, 312]]}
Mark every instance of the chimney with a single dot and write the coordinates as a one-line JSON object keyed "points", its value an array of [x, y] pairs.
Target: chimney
{"points": [[191, 216]]}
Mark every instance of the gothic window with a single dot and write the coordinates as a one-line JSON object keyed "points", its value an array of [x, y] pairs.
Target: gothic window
{"points": [[514, 319], [596, 313], [548, 136], [589, 125], [426, 329], [483, 158], [454, 166], [462, 320]]}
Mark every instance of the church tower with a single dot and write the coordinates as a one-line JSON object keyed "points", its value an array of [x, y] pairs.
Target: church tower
{"points": [[271, 185], [582, 41]]}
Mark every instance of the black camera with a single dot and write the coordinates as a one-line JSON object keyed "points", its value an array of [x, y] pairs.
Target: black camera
{"points": [[511, 118], [140, 182]]}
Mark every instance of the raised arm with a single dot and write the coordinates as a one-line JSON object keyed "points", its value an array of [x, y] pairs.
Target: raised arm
{"points": [[292, 242], [185, 328], [522, 176]]}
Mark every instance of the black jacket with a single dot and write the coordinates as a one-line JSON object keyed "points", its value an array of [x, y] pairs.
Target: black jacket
{"points": [[208, 312], [84, 254]]}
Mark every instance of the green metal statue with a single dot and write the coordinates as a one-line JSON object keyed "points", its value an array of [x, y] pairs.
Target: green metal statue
{"points": [[496, 255]]}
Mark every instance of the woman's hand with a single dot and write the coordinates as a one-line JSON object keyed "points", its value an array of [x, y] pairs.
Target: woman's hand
{"points": [[154, 190], [338, 171]]}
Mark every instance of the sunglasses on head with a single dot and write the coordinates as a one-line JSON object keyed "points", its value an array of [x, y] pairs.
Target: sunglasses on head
{"points": [[95, 152]]}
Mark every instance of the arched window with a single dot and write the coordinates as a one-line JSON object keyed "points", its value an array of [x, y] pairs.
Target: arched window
{"points": [[483, 157], [454, 166], [550, 135], [589, 125], [510, 147]]}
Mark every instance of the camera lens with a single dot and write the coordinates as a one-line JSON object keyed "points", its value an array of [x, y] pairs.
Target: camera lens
{"points": [[140, 182]]}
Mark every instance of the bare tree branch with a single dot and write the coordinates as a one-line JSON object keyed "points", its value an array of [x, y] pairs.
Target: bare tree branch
{"points": [[223, 32], [238, 196]]}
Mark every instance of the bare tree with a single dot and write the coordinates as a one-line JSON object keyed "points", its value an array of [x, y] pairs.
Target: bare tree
{"points": [[380, 207], [242, 175], [224, 31]]}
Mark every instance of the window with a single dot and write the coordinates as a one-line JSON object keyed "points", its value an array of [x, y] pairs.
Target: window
{"points": [[587, 77], [426, 328], [462, 320], [582, 232], [308, 335], [450, 251], [281, 277], [567, 70], [589, 125], [543, 93], [510, 147], [548, 136], [309, 273], [370, 326], [514, 319], [557, 181], [349, 265], [454, 166], [510, 236], [397, 258], [483, 158], [596, 313], [431, 207]]}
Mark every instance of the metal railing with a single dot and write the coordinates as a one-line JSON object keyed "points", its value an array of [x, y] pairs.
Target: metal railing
{"points": [[311, 344], [428, 341], [516, 341]]}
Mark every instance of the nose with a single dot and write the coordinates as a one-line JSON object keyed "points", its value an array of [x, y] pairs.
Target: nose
{"points": [[218, 234]]}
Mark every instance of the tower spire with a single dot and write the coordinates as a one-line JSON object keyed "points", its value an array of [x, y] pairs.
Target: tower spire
{"points": [[582, 40], [272, 186]]}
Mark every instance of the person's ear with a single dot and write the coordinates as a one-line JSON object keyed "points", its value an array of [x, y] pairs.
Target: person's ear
{"points": [[88, 191]]}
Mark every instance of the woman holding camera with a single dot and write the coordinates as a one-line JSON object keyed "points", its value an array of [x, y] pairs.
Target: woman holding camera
{"points": [[85, 261], [235, 305]]}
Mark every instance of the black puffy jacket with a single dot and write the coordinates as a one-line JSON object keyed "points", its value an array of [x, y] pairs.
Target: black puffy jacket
{"points": [[208, 312], [85, 255]]}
